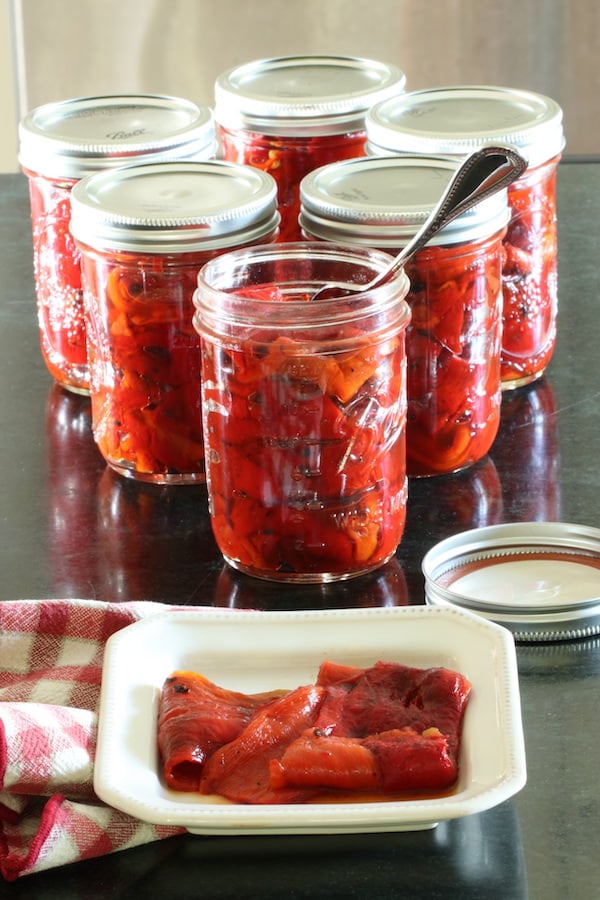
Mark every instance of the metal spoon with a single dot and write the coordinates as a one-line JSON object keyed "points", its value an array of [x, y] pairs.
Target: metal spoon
{"points": [[483, 173]]}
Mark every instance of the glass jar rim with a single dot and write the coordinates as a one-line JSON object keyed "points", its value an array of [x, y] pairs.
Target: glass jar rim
{"points": [[216, 303]]}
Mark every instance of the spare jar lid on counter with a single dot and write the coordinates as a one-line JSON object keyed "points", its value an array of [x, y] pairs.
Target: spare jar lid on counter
{"points": [[541, 580], [303, 95], [456, 120], [174, 207], [383, 201], [72, 138]]}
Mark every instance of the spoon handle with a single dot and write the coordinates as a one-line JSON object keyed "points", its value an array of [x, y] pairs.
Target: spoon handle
{"points": [[483, 173]]}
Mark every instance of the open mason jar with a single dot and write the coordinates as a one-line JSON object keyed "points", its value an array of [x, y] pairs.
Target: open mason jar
{"points": [[453, 340], [304, 410], [290, 114], [454, 121], [143, 233], [60, 143]]}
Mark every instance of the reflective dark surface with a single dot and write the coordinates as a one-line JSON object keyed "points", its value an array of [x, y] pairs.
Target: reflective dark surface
{"points": [[69, 527]]}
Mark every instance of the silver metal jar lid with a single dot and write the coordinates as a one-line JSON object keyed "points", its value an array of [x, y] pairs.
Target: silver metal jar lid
{"points": [[72, 138], [174, 207], [383, 201], [457, 120], [303, 95], [541, 580]]}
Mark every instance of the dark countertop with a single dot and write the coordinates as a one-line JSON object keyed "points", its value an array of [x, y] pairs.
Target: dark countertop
{"points": [[71, 528]]}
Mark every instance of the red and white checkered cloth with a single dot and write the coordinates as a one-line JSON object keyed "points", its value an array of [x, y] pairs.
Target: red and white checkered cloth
{"points": [[51, 655]]}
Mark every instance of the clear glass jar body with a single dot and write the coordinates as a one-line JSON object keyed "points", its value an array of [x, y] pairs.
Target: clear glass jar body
{"points": [[529, 276], [304, 412], [288, 159], [57, 277], [453, 348], [145, 363]]}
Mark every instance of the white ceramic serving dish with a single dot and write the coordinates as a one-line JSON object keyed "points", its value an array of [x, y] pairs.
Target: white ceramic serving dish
{"points": [[257, 651]]}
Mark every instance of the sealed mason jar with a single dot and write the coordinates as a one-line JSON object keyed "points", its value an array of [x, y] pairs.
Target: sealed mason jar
{"points": [[62, 142], [457, 120], [304, 410], [453, 339], [143, 233], [289, 115]]}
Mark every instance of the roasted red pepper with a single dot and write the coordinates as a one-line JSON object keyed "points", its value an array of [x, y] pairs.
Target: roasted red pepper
{"points": [[529, 276], [145, 363], [58, 283], [306, 451], [288, 160], [196, 718], [388, 729], [453, 351]]}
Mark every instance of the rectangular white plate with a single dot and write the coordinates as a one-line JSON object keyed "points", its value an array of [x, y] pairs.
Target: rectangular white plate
{"points": [[257, 651]]}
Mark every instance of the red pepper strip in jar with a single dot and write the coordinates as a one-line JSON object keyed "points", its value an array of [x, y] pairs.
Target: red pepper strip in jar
{"points": [[145, 362], [288, 160], [453, 351], [306, 451], [529, 276]]}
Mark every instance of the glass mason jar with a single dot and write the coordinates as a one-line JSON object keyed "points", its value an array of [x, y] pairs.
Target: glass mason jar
{"points": [[304, 411], [289, 115], [453, 339], [143, 233], [455, 121], [62, 142]]}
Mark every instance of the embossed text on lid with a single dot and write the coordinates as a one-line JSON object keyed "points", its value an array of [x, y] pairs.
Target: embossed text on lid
{"points": [[72, 138]]}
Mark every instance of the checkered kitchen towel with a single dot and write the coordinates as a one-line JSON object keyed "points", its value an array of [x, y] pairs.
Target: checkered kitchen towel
{"points": [[50, 672]]}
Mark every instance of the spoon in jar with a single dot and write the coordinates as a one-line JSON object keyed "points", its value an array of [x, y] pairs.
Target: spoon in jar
{"points": [[483, 173]]}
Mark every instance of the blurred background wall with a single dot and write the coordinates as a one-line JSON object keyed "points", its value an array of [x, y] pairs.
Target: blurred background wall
{"points": [[56, 49]]}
